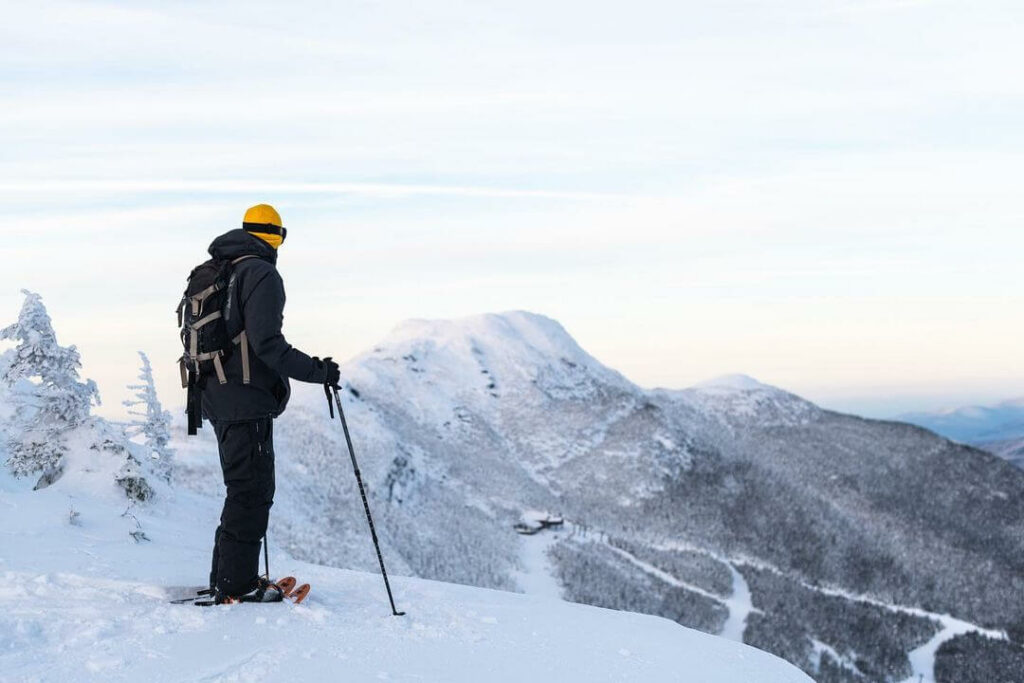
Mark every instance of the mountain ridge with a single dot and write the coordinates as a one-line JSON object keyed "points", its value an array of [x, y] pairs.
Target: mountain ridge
{"points": [[462, 425], [975, 424]]}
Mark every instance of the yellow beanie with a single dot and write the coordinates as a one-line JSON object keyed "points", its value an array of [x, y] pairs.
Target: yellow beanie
{"points": [[264, 221]]}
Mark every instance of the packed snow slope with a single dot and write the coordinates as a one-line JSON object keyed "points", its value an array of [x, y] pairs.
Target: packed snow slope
{"points": [[860, 550], [87, 576]]}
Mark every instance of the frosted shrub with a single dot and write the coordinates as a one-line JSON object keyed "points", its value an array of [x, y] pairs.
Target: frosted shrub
{"points": [[44, 388], [155, 423]]}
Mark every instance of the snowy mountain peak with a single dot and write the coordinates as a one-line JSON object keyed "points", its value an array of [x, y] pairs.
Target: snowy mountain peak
{"points": [[735, 382], [493, 350], [732, 397], [515, 328]]}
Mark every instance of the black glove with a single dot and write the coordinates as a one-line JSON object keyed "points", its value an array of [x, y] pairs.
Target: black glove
{"points": [[332, 371]]}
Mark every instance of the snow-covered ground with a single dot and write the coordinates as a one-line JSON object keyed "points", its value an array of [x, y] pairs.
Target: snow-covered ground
{"points": [[69, 626], [84, 599]]}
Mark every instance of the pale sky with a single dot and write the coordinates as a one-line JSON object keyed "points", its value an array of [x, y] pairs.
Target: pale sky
{"points": [[823, 194]]}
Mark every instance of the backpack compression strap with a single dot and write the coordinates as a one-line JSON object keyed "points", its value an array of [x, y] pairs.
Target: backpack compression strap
{"points": [[198, 298]]}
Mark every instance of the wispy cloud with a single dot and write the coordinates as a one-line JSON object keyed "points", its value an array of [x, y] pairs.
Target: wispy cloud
{"points": [[221, 187]]}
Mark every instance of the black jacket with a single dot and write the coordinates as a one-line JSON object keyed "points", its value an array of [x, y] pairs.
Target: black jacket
{"points": [[258, 294]]}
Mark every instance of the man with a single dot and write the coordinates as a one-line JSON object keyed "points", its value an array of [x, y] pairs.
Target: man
{"points": [[242, 413]]}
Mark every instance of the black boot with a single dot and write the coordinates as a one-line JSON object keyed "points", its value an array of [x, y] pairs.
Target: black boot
{"points": [[265, 591]]}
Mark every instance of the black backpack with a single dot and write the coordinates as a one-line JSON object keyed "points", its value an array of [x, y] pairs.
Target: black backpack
{"points": [[203, 316]]}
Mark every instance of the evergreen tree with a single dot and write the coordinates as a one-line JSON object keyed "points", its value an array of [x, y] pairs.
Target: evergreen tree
{"points": [[155, 426], [47, 394]]}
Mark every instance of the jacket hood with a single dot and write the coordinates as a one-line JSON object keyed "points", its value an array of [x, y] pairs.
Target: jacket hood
{"points": [[238, 242]]}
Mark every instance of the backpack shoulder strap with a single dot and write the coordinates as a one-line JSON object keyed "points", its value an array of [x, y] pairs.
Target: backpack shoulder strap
{"points": [[242, 340]]}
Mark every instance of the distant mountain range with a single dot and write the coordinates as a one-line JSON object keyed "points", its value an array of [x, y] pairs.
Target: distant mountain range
{"points": [[860, 550], [998, 428]]}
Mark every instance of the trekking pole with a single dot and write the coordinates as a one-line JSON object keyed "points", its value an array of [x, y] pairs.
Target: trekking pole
{"points": [[362, 491], [266, 556]]}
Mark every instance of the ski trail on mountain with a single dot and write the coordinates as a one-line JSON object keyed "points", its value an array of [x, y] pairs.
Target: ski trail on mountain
{"points": [[821, 649], [537, 578], [740, 604], [538, 575], [664, 576], [922, 659]]}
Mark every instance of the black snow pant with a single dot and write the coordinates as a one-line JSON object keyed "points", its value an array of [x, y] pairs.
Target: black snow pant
{"points": [[247, 460]]}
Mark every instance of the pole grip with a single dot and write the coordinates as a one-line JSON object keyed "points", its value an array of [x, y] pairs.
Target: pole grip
{"points": [[330, 403]]}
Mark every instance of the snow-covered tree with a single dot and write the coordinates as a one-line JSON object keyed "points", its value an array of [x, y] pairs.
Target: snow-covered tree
{"points": [[155, 427], [44, 387]]}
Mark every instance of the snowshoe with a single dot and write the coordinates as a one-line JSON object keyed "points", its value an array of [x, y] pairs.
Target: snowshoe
{"points": [[292, 592], [299, 594], [286, 584]]}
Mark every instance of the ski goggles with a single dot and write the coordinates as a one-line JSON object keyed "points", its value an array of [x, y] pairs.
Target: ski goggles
{"points": [[266, 228]]}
